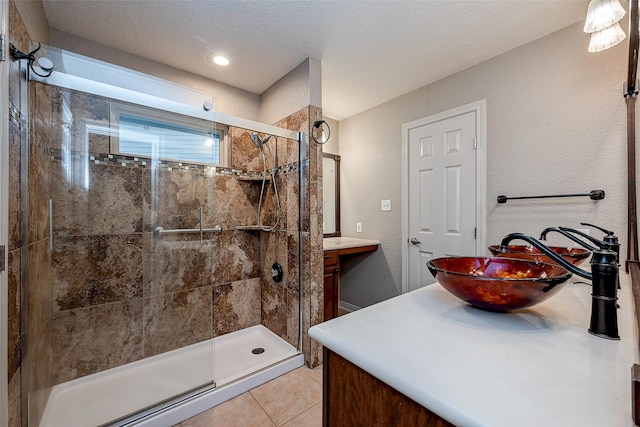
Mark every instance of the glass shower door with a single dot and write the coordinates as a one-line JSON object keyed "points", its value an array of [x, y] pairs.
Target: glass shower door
{"points": [[130, 306]]}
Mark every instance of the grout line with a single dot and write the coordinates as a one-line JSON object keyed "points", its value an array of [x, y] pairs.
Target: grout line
{"points": [[309, 370], [297, 415], [261, 407]]}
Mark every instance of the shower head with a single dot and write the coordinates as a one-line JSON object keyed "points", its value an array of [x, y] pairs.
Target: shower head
{"points": [[257, 141]]}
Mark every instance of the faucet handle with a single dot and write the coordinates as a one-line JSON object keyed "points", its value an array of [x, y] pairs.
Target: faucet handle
{"points": [[598, 243], [605, 231]]}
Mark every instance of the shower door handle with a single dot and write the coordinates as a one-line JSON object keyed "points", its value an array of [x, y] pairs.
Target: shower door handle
{"points": [[201, 231], [414, 241], [51, 224], [3, 253]]}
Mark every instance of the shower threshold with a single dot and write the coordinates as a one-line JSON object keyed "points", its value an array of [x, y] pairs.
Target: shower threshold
{"points": [[103, 397]]}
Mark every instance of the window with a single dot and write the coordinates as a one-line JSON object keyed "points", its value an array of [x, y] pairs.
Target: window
{"points": [[152, 133]]}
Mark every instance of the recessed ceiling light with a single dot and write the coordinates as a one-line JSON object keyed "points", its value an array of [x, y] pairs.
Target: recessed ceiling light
{"points": [[220, 60]]}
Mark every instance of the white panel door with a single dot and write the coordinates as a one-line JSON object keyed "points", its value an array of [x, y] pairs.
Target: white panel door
{"points": [[442, 193]]}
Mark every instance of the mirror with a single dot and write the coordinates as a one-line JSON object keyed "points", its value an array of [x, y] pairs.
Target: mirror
{"points": [[331, 195]]}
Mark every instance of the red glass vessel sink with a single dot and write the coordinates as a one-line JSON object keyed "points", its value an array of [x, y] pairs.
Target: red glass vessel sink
{"points": [[499, 284], [574, 255]]}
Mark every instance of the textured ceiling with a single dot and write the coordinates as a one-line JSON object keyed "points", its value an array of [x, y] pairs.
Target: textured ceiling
{"points": [[371, 51]]}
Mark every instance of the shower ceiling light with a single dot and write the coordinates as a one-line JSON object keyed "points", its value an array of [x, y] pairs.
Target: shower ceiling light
{"points": [[602, 14], [220, 60], [606, 38]]}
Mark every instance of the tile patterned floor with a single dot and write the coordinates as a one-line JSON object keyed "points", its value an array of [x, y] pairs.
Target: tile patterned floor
{"points": [[291, 400]]}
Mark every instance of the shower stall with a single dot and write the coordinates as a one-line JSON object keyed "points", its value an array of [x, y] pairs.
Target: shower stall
{"points": [[167, 265]]}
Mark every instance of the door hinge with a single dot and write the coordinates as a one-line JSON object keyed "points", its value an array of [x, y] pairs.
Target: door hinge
{"points": [[475, 233], [3, 265], [475, 143], [3, 48]]}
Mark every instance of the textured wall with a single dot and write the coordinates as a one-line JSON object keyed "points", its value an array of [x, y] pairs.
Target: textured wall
{"points": [[555, 124], [370, 151], [35, 18], [298, 89], [333, 144]]}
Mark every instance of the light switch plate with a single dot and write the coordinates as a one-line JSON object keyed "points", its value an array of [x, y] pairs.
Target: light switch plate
{"points": [[385, 205], [358, 227]]}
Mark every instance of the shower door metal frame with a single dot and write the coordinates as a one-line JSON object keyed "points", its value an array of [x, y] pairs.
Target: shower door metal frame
{"points": [[24, 247], [4, 218]]}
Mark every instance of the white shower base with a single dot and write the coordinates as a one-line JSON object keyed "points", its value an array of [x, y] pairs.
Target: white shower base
{"points": [[100, 398]]}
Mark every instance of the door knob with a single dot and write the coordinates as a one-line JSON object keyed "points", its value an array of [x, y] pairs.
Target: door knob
{"points": [[414, 241]]}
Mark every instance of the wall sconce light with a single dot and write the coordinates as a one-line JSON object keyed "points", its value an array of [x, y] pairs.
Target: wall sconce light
{"points": [[324, 136], [602, 24]]}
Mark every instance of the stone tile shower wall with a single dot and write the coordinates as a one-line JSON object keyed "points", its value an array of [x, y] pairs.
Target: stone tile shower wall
{"points": [[283, 301], [19, 37], [279, 300], [314, 302], [300, 231]]}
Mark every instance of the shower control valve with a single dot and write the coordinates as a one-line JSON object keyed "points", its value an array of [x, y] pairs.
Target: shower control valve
{"points": [[276, 272]]}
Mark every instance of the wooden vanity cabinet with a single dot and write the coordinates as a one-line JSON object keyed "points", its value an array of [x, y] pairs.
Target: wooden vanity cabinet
{"points": [[331, 284], [353, 397]]}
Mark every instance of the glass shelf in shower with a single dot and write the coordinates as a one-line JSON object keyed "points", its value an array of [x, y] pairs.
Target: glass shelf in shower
{"points": [[252, 178], [249, 227]]}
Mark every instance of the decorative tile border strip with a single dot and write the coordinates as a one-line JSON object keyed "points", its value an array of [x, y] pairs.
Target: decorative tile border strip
{"points": [[14, 115], [146, 163]]}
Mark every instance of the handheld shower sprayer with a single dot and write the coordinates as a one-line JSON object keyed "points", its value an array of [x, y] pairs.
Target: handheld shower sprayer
{"points": [[256, 140], [259, 142]]}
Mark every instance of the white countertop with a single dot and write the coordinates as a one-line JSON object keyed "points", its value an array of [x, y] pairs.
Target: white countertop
{"points": [[534, 367], [333, 243]]}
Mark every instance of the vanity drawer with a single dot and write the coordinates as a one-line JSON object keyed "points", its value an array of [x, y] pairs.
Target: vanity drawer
{"points": [[330, 258]]}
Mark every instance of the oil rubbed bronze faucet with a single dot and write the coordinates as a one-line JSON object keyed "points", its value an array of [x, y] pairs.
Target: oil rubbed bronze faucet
{"points": [[604, 280], [609, 238], [570, 233], [609, 241]]}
